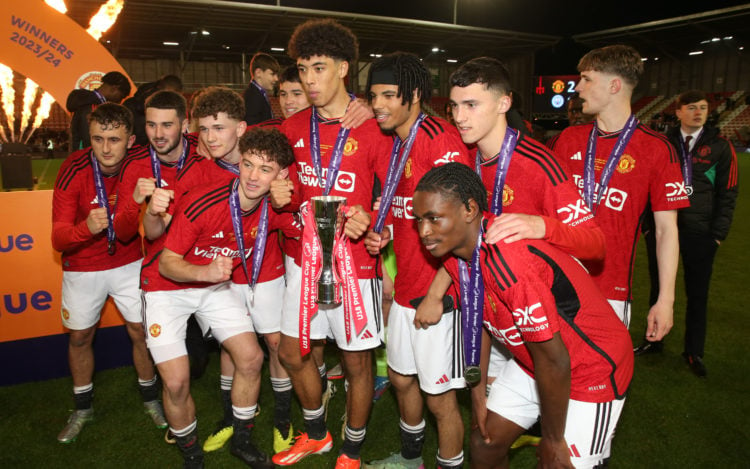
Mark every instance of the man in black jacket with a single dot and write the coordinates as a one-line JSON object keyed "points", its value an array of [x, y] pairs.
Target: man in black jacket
{"points": [[709, 167], [265, 72], [114, 88]]}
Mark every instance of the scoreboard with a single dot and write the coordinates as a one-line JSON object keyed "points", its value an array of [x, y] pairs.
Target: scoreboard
{"points": [[552, 92]]}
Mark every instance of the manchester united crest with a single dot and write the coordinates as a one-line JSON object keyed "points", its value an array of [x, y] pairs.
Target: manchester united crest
{"points": [[492, 304], [407, 169], [65, 314], [154, 330], [350, 147], [704, 151], [508, 195], [254, 232], [626, 164]]}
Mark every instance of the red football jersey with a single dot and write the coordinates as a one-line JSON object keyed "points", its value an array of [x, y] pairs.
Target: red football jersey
{"points": [[363, 167], [648, 173], [73, 198], [202, 229], [537, 184], [533, 290], [436, 144]]}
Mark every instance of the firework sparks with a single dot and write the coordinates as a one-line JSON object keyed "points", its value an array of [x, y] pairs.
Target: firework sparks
{"points": [[29, 96], [105, 18], [58, 5], [42, 112], [9, 97]]}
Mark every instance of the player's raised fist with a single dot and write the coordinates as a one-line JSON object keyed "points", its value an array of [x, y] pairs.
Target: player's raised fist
{"points": [[143, 188], [281, 192], [97, 220], [159, 202], [219, 270], [358, 220]]}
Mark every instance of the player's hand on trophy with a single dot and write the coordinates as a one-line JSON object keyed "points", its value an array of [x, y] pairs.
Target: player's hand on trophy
{"points": [[97, 221], [281, 192], [159, 202], [143, 188], [219, 270], [357, 223]]}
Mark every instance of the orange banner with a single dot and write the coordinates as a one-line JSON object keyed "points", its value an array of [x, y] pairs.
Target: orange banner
{"points": [[30, 270], [50, 48]]}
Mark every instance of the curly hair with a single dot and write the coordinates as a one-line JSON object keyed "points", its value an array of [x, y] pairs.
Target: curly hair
{"points": [[324, 37], [112, 115], [455, 181], [215, 99], [620, 60], [168, 100], [488, 71], [410, 74], [268, 142]]}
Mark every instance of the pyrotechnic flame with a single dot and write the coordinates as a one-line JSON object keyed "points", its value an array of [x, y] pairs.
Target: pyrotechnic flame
{"points": [[105, 18], [29, 96], [3, 137], [9, 97], [42, 112], [58, 5]]}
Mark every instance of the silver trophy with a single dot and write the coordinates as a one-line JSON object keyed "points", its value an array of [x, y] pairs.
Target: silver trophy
{"points": [[329, 223]]}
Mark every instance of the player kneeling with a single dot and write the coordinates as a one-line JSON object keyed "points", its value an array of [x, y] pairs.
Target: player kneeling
{"points": [[573, 357]]}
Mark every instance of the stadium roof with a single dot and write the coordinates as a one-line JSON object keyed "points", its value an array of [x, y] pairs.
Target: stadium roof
{"points": [[499, 28]]}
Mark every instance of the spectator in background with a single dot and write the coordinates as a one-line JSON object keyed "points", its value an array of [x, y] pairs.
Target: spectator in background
{"points": [[709, 166], [114, 88], [575, 111], [137, 105], [264, 70]]}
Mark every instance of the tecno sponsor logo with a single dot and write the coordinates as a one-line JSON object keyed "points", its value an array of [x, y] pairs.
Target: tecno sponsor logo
{"points": [[401, 207], [575, 213]]}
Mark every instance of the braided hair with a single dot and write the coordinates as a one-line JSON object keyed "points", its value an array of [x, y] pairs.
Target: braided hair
{"points": [[409, 72], [456, 181]]}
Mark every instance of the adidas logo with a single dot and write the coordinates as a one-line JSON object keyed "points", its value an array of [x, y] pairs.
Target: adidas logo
{"points": [[300, 144], [443, 379], [576, 157], [95, 200], [366, 335], [218, 235], [164, 183]]}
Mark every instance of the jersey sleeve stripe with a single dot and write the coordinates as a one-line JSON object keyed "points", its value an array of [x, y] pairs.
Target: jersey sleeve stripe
{"points": [[69, 174], [498, 267], [206, 201]]}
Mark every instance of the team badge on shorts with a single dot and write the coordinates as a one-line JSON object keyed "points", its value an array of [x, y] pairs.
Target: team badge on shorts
{"points": [[626, 164], [508, 195], [350, 147], [154, 330], [65, 314]]}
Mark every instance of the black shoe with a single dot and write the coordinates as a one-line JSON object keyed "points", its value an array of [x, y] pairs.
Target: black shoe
{"points": [[647, 348], [251, 455], [696, 364], [192, 453]]}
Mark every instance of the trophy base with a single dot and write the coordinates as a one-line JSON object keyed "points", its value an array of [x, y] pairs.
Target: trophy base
{"points": [[328, 294]]}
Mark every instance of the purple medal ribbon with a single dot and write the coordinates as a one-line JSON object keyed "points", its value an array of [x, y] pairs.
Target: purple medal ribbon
{"points": [[338, 151], [232, 168], [265, 95], [472, 304], [259, 247], [100, 97], [395, 170], [101, 196], [686, 162], [503, 162], [156, 162], [589, 176]]}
